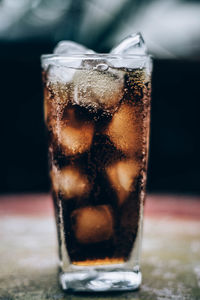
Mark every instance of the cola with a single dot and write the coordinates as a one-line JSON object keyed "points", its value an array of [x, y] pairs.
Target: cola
{"points": [[98, 130]]}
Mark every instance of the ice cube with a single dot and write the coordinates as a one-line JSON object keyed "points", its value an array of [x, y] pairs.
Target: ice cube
{"points": [[121, 176], [125, 129], [70, 182], [70, 47], [73, 135], [93, 224], [133, 44], [64, 71], [61, 73], [98, 88]]}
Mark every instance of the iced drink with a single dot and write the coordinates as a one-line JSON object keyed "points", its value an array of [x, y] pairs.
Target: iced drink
{"points": [[96, 111]]}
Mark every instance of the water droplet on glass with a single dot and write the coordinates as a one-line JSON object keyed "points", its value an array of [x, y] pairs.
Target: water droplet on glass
{"points": [[102, 67]]}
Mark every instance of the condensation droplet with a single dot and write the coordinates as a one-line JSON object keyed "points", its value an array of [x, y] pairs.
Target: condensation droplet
{"points": [[102, 67]]}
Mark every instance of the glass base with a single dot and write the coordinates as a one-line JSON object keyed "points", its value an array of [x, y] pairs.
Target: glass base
{"points": [[101, 281]]}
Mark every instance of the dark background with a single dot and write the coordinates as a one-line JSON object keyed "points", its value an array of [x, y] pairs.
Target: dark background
{"points": [[174, 164]]}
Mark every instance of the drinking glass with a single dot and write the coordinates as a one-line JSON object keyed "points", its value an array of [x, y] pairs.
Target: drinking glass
{"points": [[97, 113]]}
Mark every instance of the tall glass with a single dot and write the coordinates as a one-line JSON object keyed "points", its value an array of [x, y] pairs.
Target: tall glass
{"points": [[97, 111]]}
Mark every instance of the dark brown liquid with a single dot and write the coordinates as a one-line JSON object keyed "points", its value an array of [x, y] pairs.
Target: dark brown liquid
{"points": [[98, 162]]}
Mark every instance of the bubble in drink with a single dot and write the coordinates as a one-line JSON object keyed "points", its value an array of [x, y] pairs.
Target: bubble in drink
{"points": [[122, 175], [93, 224], [70, 182]]}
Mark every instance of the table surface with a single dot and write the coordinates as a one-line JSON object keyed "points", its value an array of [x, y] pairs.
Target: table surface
{"points": [[170, 253]]}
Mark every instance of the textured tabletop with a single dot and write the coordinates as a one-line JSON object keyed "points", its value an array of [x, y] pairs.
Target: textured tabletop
{"points": [[170, 254]]}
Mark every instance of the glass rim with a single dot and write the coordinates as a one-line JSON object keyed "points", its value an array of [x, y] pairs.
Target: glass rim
{"points": [[63, 57]]}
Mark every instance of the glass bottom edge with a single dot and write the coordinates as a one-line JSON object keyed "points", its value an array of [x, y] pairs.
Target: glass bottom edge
{"points": [[100, 281]]}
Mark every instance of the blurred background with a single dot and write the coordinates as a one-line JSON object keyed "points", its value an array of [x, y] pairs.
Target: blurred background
{"points": [[171, 29]]}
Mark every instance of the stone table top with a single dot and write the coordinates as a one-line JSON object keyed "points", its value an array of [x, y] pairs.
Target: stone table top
{"points": [[170, 253]]}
